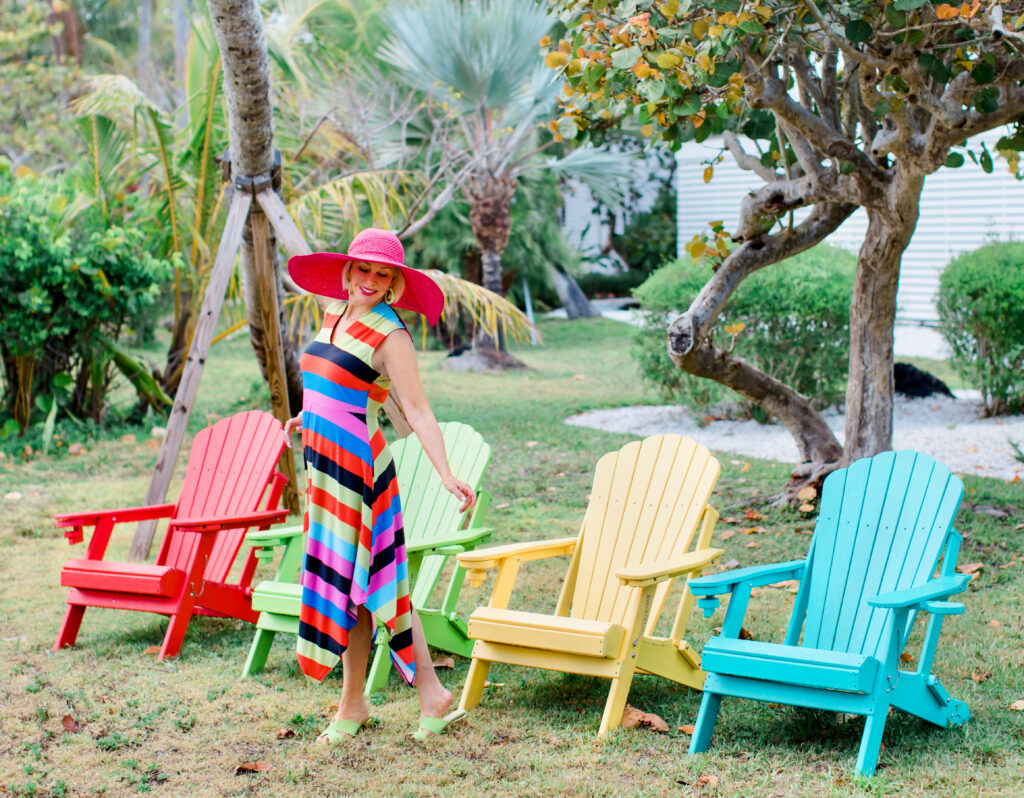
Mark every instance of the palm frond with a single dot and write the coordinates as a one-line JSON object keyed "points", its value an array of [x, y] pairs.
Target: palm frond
{"points": [[114, 96], [605, 172], [476, 51], [487, 310]]}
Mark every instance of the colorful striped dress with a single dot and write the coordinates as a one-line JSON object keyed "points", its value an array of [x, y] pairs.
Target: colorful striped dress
{"points": [[355, 545]]}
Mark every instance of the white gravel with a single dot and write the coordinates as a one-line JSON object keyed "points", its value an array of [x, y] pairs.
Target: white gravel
{"points": [[950, 430]]}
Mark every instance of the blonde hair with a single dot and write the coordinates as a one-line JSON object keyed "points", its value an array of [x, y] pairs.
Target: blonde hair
{"points": [[397, 286]]}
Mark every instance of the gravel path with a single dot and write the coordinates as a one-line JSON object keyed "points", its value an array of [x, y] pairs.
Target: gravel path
{"points": [[950, 430]]}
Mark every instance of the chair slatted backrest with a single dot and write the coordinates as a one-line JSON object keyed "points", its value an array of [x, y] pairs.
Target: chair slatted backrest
{"points": [[429, 512], [883, 525], [645, 507], [229, 468]]}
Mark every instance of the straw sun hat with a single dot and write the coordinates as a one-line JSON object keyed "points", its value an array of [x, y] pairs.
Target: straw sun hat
{"points": [[321, 272]]}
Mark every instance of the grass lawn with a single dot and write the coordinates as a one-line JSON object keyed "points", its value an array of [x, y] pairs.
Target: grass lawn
{"points": [[182, 727]]}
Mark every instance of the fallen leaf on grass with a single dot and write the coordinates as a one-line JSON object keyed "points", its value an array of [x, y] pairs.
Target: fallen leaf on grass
{"points": [[753, 515], [70, 724], [971, 568], [753, 530], [687, 729], [76, 449], [707, 780], [980, 675], [285, 734], [252, 767], [502, 506], [152, 443], [806, 507], [127, 439], [578, 377], [531, 444], [152, 650], [753, 545], [494, 684], [727, 534], [13, 496], [754, 592], [906, 656], [787, 584], [994, 624], [730, 564], [744, 468], [989, 510], [559, 475], [803, 531], [745, 635], [1018, 705], [806, 494], [444, 662], [633, 717], [729, 520]]}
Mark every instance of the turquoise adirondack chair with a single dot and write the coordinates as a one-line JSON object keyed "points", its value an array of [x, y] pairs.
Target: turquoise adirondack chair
{"points": [[435, 530], [884, 549]]}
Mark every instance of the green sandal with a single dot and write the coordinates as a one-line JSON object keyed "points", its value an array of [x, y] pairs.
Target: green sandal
{"points": [[430, 727], [341, 729]]}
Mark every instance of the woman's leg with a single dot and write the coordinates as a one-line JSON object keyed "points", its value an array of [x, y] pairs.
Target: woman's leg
{"points": [[353, 704], [434, 698]]}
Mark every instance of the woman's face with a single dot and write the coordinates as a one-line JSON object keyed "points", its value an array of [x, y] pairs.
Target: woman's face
{"points": [[367, 282]]}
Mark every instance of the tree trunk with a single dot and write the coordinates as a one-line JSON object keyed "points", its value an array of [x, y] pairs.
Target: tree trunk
{"points": [[67, 42], [490, 201], [182, 32], [869, 391], [239, 28]]}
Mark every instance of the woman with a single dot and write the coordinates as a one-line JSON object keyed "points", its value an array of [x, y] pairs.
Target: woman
{"points": [[355, 564]]}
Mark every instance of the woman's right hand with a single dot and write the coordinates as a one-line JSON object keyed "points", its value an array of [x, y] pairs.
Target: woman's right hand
{"points": [[291, 426]]}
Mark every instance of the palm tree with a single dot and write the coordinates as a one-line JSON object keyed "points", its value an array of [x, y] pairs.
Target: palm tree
{"points": [[481, 63]]}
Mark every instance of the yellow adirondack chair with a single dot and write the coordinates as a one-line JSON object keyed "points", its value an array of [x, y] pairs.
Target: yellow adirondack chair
{"points": [[647, 523]]}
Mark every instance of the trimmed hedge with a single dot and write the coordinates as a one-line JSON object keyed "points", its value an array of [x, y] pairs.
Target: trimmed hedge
{"points": [[981, 308], [796, 318]]}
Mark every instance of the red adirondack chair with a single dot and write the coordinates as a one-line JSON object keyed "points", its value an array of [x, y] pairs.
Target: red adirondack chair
{"points": [[231, 473]]}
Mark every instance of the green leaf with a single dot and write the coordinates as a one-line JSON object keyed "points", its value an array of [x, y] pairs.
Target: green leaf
{"points": [[624, 59], [9, 428], [847, 167], [690, 104], [567, 128], [858, 30], [954, 160], [897, 18], [654, 90], [983, 73], [934, 67], [751, 26], [908, 5], [985, 159]]}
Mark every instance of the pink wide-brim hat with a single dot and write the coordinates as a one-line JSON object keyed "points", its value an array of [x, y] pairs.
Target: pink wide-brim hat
{"points": [[321, 272]]}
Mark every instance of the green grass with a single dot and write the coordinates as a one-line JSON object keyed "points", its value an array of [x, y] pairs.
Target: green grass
{"points": [[183, 727]]}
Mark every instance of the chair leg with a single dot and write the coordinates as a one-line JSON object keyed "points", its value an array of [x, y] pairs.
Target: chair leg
{"points": [[258, 652], [381, 667], [69, 628], [871, 740], [176, 632], [474, 688], [709, 706], [616, 702]]}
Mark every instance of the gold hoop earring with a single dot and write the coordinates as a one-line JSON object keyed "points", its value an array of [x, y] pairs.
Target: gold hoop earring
{"points": [[389, 296]]}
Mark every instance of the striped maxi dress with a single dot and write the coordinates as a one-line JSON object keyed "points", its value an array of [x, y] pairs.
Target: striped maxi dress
{"points": [[355, 545]]}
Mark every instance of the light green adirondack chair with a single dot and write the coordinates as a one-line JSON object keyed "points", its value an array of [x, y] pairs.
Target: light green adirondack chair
{"points": [[435, 530]]}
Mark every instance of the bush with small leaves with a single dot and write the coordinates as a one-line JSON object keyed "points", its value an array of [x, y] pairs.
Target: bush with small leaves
{"points": [[793, 323], [981, 308]]}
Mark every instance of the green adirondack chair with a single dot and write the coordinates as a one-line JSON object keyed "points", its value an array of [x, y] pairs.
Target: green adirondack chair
{"points": [[884, 531], [435, 530]]}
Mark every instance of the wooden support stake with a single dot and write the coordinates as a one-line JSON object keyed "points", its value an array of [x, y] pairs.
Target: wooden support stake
{"points": [[189, 385], [266, 288]]}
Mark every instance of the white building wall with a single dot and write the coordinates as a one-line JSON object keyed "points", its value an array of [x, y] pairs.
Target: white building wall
{"points": [[960, 209]]}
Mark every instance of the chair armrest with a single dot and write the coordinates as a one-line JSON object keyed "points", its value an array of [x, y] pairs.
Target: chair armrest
{"points": [[917, 597], [755, 575], [269, 538], [524, 552], [78, 520], [639, 576], [456, 543], [206, 525]]}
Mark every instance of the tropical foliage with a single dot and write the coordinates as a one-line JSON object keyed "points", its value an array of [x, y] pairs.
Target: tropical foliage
{"points": [[70, 284]]}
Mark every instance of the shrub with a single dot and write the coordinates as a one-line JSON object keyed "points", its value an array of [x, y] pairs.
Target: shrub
{"points": [[67, 292], [981, 297], [796, 325]]}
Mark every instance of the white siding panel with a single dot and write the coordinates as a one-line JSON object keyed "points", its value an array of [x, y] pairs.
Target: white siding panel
{"points": [[960, 210]]}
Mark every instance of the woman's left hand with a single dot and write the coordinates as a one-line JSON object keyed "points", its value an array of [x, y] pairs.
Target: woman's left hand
{"points": [[462, 491]]}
